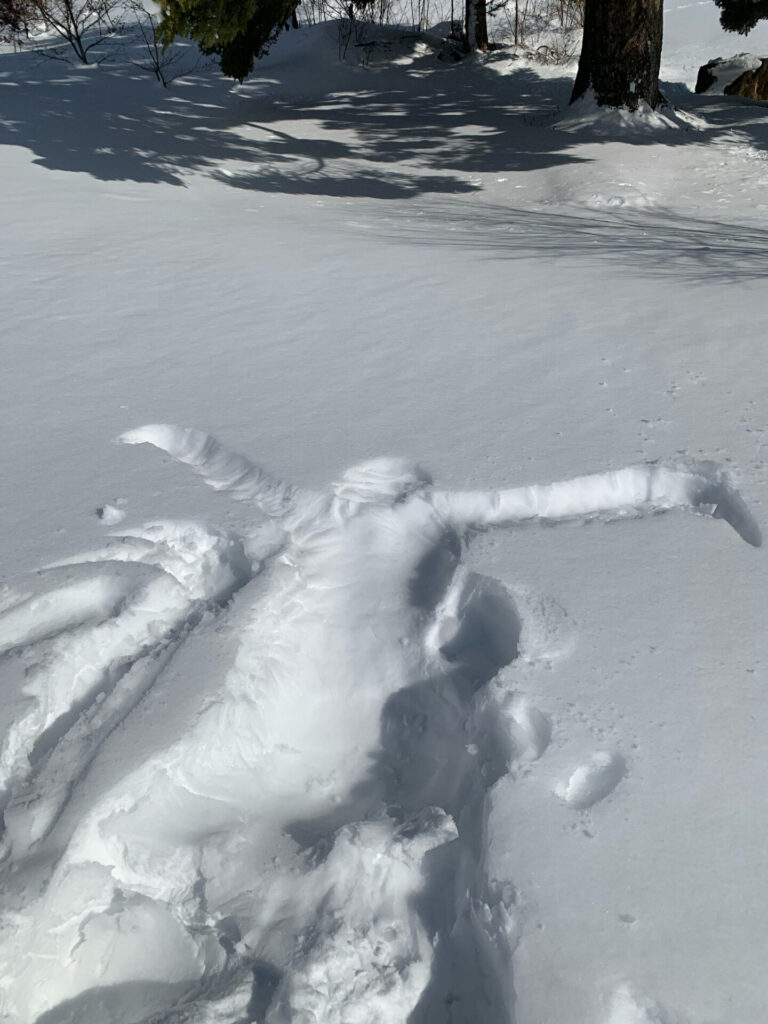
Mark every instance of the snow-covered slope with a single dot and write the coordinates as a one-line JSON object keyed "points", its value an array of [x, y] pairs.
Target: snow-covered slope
{"points": [[306, 756]]}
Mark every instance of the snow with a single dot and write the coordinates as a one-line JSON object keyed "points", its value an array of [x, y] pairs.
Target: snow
{"points": [[593, 781], [381, 743], [728, 69], [110, 515]]}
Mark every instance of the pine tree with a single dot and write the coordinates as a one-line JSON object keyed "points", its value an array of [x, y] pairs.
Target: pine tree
{"points": [[476, 25], [239, 31], [621, 52], [741, 15]]}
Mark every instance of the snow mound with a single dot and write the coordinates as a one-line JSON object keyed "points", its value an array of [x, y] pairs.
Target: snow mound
{"points": [[593, 781], [586, 118]]}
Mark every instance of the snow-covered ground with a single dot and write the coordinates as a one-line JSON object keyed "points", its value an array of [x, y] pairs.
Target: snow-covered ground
{"points": [[307, 756]]}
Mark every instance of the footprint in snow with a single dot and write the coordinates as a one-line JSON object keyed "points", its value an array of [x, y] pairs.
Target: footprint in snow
{"points": [[530, 729]]}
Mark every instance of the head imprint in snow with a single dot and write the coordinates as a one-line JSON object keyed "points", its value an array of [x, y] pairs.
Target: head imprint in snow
{"points": [[381, 481]]}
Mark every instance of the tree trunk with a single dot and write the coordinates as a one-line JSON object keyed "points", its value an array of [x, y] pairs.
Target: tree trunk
{"points": [[621, 52], [476, 25]]}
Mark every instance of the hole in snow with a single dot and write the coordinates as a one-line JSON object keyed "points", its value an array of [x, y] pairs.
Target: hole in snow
{"points": [[488, 635]]}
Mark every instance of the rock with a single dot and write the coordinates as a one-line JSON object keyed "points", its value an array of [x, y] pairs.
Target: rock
{"points": [[745, 74], [753, 85], [705, 78]]}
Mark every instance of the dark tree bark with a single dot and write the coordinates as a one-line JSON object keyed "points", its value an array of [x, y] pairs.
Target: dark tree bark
{"points": [[476, 25], [621, 52]]}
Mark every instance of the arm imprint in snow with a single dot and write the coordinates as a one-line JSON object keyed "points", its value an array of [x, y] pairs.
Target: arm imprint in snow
{"points": [[701, 487]]}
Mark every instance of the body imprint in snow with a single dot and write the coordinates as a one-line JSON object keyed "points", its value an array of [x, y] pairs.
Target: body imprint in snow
{"points": [[297, 853]]}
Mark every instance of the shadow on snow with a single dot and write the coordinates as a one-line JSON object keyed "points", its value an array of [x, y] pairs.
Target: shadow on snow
{"points": [[660, 241], [379, 132]]}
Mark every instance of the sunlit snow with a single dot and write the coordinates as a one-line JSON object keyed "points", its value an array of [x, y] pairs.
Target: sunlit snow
{"points": [[379, 744]]}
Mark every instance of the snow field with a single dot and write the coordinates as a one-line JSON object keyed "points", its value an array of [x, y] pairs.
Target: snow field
{"points": [[507, 299]]}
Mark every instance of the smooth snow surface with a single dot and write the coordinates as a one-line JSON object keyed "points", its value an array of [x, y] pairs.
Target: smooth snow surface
{"points": [[310, 756]]}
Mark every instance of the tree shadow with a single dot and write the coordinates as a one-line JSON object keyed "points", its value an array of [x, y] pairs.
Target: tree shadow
{"points": [[723, 113], [658, 240], [116, 124], [314, 126]]}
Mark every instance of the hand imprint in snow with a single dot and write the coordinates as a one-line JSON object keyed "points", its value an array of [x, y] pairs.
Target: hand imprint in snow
{"points": [[593, 781], [312, 845], [627, 1007], [110, 515]]}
